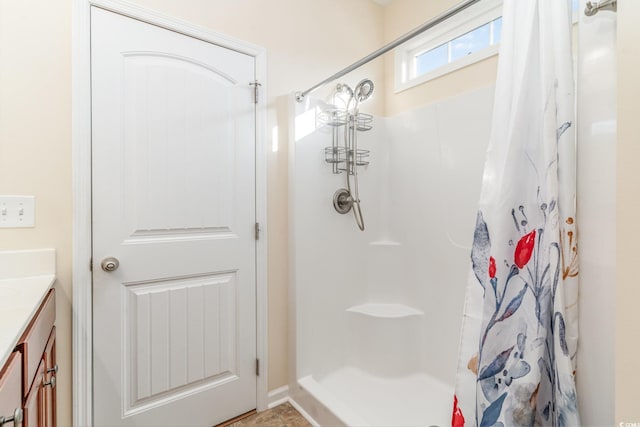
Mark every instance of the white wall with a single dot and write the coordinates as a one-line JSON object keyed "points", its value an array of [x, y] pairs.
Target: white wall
{"points": [[420, 192], [596, 209], [437, 160], [329, 252]]}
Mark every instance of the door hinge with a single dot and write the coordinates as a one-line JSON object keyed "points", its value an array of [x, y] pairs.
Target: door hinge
{"points": [[256, 90], [90, 264], [257, 367], [257, 230]]}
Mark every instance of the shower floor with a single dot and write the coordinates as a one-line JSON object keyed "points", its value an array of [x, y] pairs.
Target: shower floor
{"points": [[359, 398]]}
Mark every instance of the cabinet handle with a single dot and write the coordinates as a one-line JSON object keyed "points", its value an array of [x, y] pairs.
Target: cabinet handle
{"points": [[17, 418], [54, 369], [52, 383]]}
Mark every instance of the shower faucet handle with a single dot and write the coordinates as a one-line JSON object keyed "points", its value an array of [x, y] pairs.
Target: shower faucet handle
{"points": [[342, 201]]}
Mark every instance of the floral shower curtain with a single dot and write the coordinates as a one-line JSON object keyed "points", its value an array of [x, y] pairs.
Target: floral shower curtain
{"points": [[516, 363]]}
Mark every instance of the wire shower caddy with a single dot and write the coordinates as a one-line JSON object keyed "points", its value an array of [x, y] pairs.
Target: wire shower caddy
{"points": [[345, 157]]}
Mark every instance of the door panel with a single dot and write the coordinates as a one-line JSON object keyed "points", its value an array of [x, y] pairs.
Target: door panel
{"points": [[166, 100], [181, 335], [173, 184]]}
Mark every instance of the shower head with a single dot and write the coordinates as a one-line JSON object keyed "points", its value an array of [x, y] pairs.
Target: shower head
{"points": [[342, 96], [344, 88], [363, 90]]}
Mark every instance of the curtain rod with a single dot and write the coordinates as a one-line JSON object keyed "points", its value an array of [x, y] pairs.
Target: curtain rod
{"points": [[397, 42]]}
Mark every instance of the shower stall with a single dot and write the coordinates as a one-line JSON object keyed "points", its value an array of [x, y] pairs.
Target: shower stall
{"points": [[378, 311], [382, 212], [378, 294]]}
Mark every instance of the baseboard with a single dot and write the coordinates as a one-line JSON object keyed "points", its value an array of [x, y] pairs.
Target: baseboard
{"points": [[278, 396], [304, 413]]}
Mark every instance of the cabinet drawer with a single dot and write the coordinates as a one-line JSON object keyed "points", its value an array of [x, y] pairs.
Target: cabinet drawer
{"points": [[34, 340], [11, 386]]}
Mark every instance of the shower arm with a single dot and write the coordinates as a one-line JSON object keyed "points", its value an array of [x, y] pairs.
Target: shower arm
{"points": [[392, 45]]}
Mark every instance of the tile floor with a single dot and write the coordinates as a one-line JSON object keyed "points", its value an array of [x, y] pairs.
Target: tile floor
{"points": [[283, 415]]}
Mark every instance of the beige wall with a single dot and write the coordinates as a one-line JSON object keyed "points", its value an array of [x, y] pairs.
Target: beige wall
{"points": [[400, 17], [306, 41], [628, 214], [35, 143]]}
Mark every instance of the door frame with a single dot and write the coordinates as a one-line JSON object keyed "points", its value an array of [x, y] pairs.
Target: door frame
{"points": [[82, 339]]}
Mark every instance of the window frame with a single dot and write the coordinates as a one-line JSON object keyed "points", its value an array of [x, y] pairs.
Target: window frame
{"points": [[469, 19]]}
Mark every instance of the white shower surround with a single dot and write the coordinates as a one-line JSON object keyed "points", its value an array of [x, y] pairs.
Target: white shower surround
{"points": [[378, 313]]}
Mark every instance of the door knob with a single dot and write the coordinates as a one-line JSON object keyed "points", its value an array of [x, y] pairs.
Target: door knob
{"points": [[110, 264]]}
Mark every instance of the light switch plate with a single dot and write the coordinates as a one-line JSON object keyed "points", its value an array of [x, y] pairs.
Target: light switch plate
{"points": [[17, 211]]}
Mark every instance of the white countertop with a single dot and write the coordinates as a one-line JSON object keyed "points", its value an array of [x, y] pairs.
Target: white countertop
{"points": [[25, 279]]}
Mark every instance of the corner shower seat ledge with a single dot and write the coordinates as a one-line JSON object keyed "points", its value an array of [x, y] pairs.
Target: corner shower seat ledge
{"points": [[385, 310]]}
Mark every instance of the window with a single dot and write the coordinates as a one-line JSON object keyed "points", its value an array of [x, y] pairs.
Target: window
{"points": [[470, 36], [575, 6], [467, 37], [474, 41]]}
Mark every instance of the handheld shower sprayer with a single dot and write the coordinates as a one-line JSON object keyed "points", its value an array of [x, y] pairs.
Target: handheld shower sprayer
{"points": [[363, 90], [349, 156]]}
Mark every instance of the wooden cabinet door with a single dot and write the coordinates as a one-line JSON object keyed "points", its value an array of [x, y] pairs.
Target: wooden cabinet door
{"points": [[51, 369], [34, 401], [11, 387], [40, 403], [33, 342]]}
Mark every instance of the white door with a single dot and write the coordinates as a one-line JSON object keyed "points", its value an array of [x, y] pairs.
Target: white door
{"points": [[173, 149]]}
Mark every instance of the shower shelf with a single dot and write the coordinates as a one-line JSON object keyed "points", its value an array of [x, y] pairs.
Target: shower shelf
{"points": [[336, 117], [364, 122], [340, 155], [333, 117], [388, 311]]}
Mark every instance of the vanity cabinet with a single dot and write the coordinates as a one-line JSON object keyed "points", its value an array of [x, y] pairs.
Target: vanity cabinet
{"points": [[28, 379], [11, 391]]}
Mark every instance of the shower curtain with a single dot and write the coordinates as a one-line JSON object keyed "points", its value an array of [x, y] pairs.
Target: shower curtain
{"points": [[516, 364]]}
